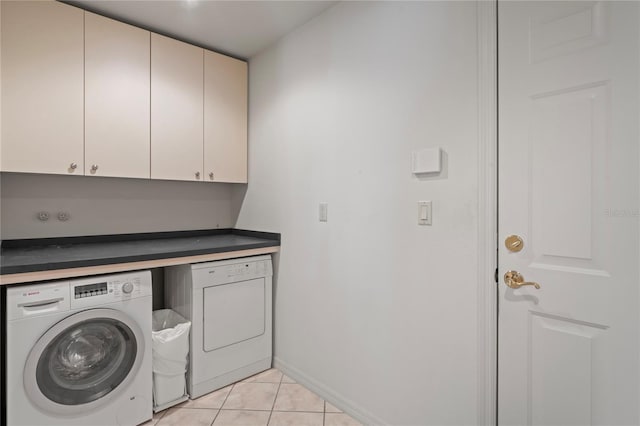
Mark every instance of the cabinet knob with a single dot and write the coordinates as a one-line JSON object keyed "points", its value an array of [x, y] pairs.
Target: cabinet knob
{"points": [[94, 168], [73, 166], [211, 175], [197, 175]]}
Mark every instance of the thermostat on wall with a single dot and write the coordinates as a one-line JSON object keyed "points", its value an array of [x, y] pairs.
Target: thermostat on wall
{"points": [[426, 161]]}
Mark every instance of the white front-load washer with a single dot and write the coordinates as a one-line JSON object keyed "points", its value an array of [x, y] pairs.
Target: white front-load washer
{"points": [[79, 351]]}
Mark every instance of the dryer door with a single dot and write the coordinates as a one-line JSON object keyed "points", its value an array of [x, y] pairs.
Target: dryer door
{"points": [[76, 365], [241, 304]]}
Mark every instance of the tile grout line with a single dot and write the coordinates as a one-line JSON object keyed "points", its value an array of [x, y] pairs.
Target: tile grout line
{"points": [[162, 413], [270, 411], [256, 410], [276, 398], [324, 413], [222, 405]]}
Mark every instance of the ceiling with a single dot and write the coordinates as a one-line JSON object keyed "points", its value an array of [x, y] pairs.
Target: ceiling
{"points": [[237, 28]]}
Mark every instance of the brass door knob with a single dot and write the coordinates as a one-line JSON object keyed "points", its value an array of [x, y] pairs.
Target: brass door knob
{"points": [[514, 279], [514, 243]]}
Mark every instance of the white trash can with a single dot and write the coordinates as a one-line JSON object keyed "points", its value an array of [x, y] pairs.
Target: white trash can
{"points": [[170, 337]]}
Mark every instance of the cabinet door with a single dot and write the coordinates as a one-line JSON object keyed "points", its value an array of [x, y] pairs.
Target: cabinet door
{"points": [[176, 109], [117, 98], [42, 87], [225, 118]]}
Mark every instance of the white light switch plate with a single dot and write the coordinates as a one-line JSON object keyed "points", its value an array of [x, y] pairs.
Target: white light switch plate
{"points": [[424, 212]]}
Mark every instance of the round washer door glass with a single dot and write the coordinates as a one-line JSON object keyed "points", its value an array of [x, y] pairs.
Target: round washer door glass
{"points": [[86, 361]]}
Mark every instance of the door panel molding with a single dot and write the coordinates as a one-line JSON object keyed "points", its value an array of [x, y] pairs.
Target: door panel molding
{"points": [[559, 345], [580, 27], [567, 156]]}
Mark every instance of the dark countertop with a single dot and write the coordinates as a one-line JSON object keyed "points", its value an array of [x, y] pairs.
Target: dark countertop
{"points": [[30, 255]]}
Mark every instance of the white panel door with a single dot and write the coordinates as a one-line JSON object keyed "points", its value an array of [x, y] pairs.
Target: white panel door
{"points": [[225, 118], [117, 109], [568, 186], [176, 109], [42, 87]]}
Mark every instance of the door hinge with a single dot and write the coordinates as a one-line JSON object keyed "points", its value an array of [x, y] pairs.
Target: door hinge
{"points": [[495, 276]]}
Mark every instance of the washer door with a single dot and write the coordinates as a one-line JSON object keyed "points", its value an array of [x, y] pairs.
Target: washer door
{"points": [[77, 364]]}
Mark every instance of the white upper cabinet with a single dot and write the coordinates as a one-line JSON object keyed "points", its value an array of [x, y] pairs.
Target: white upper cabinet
{"points": [[117, 98], [42, 87], [225, 118], [176, 109], [84, 94]]}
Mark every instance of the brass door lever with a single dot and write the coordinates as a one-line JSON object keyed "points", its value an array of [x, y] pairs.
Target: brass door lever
{"points": [[514, 279]]}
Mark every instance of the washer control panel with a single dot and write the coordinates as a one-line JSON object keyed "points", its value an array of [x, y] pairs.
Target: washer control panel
{"points": [[93, 291], [56, 296], [127, 288], [90, 290]]}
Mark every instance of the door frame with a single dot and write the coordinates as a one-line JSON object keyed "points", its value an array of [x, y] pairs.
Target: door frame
{"points": [[487, 292]]}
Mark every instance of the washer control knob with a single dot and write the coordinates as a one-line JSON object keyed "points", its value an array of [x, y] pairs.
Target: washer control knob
{"points": [[127, 288]]}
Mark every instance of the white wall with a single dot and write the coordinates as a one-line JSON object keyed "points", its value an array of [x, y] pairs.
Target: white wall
{"points": [[375, 312], [109, 205]]}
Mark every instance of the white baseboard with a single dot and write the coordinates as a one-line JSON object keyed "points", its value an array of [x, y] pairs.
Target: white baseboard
{"points": [[349, 407]]}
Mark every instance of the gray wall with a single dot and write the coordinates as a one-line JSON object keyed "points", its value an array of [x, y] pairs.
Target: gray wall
{"points": [[109, 205], [375, 312]]}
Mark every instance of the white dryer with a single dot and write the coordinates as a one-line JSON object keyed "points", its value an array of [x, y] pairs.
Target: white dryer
{"points": [[79, 351], [229, 305]]}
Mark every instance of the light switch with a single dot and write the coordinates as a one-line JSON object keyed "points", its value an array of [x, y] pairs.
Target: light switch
{"points": [[424, 212], [323, 212]]}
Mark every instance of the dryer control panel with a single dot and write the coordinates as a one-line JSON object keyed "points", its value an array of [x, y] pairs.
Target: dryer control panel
{"points": [[248, 269], [230, 271]]}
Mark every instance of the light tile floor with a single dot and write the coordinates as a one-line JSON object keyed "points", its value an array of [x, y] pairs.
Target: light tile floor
{"points": [[266, 399]]}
